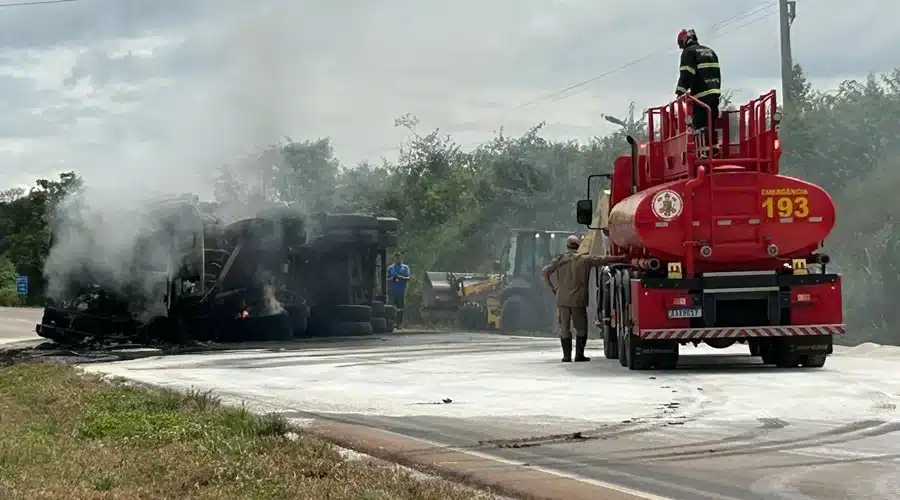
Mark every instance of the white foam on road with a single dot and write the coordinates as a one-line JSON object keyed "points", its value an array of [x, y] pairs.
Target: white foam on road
{"points": [[403, 379], [14, 340]]}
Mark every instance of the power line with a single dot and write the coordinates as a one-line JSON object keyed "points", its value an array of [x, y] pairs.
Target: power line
{"points": [[36, 2], [567, 92], [582, 85]]}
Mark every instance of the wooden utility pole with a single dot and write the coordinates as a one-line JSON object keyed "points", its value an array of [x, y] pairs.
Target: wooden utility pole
{"points": [[787, 11]]}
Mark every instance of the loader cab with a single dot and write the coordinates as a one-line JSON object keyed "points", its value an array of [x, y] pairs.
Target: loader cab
{"points": [[526, 304], [527, 251]]}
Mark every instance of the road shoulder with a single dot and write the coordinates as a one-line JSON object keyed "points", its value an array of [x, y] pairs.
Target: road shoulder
{"points": [[470, 467]]}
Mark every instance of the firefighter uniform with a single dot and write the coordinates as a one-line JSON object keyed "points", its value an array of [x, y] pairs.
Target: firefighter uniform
{"points": [[701, 76], [573, 283]]}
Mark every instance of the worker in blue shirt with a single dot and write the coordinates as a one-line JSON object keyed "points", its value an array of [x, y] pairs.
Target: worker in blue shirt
{"points": [[398, 274]]}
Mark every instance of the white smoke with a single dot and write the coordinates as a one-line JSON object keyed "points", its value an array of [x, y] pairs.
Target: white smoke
{"points": [[108, 234]]}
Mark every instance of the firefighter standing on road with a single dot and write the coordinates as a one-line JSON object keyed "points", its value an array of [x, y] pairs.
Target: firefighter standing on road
{"points": [[573, 282], [700, 75]]}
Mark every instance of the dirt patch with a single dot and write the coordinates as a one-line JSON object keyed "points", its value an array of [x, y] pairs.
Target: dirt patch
{"points": [[66, 435]]}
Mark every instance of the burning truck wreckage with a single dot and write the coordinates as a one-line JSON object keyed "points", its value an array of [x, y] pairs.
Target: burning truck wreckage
{"points": [[187, 278]]}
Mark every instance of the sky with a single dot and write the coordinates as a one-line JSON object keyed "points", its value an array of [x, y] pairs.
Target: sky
{"points": [[157, 94]]}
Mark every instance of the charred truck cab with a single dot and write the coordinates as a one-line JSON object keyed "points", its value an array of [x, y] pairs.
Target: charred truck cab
{"points": [[719, 248]]}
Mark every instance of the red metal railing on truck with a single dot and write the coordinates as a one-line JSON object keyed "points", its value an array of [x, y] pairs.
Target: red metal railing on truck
{"points": [[673, 144]]}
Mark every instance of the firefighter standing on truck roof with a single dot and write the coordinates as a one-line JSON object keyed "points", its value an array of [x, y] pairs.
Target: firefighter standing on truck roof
{"points": [[573, 282], [700, 75]]}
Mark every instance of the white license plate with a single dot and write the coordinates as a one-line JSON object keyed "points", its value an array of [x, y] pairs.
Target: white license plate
{"points": [[686, 312]]}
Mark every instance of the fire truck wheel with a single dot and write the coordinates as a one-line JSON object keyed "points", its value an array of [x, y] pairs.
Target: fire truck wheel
{"points": [[814, 361], [379, 325], [619, 327], [635, 361], [610, 344], [754, 348], [610, 337]]}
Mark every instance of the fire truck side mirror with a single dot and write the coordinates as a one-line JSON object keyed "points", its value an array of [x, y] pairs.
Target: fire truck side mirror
{"points": [[584, 212]]}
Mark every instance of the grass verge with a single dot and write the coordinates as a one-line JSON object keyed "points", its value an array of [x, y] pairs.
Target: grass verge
{"points": [[66, 435]]}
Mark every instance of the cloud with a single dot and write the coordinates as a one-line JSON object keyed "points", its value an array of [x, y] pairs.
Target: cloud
{"points": [[157, 94]]}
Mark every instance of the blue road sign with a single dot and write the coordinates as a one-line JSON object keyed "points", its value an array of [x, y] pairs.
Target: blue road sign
{"points": [[22, 285]]}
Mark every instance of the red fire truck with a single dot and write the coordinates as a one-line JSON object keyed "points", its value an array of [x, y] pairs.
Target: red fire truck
{"points": [[717, 246]]}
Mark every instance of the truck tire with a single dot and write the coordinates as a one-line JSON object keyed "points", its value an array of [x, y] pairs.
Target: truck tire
{"points": [[299, 314], [667, 361], [514, 314], [379, 325], [389, 240], [274, 328], [610, 348], [349, 329], [610, 337], [388, 224], [391, 326], [378, 309], [300, 325], [616, 290], [354, 221], [341, 314], [390, 313], [351, 236], [814, 360]]}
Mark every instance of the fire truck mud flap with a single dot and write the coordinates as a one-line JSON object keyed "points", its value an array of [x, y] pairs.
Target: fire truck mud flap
{"points": [[647, 354]]}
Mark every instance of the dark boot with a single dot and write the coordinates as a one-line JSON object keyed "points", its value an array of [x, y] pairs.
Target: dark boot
{"points": [[567, 349], [580, 343]]}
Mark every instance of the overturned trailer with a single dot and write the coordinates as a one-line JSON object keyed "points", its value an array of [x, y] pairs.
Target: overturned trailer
{"points": [[276, 276]]}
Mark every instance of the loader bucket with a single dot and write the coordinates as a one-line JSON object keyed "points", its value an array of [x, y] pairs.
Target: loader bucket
{"points": [[594, 242]]}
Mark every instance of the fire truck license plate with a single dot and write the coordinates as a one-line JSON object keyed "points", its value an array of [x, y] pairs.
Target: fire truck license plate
{"points": [[685, 312]]}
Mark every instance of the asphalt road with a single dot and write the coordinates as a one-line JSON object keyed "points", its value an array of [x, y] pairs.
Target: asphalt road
{"points": [[719, 427], [18, 323]]}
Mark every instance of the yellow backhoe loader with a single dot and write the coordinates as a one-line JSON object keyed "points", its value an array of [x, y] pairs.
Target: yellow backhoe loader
{"points": [[511, 300]]}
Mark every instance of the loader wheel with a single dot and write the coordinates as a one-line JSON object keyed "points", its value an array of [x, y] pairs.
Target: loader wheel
{"points": [[514, 315], [343, 313], [379, 325]]}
